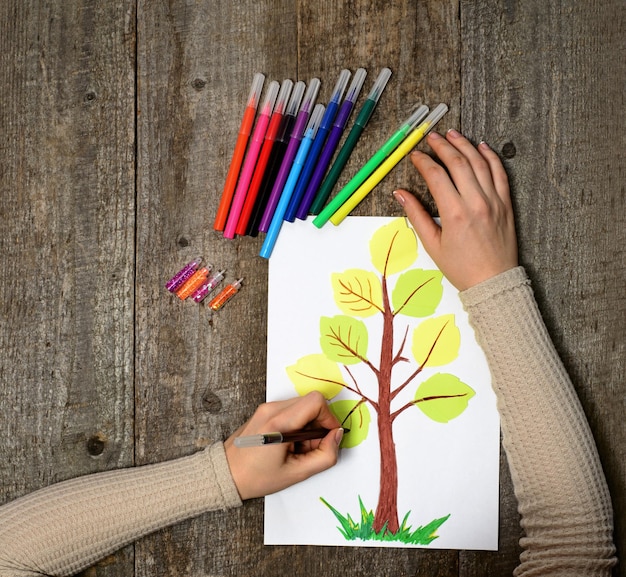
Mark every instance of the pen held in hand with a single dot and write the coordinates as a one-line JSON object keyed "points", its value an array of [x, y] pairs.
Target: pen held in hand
{"points": [[276, 438]]}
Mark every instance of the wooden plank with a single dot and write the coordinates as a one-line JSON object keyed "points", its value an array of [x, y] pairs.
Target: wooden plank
{"points": [[199, 375], [66, 243], [544, 84]]}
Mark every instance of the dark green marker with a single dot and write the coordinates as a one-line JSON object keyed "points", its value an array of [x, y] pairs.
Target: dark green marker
{"points": [[353, 136]]}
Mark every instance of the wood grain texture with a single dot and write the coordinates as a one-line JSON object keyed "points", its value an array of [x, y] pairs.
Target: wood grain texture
{"points": [[67, 223], [545, 86], [118, 123]]}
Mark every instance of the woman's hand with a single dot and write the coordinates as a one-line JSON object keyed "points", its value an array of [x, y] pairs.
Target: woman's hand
{"points": [[259, 471], [476, 239]]}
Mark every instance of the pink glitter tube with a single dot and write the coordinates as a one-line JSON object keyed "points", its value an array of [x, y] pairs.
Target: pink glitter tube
{"points": [[182, 275], [208, 286]]}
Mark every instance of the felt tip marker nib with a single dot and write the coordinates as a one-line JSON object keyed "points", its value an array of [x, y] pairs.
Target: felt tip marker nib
{"points": [[223, 297]]}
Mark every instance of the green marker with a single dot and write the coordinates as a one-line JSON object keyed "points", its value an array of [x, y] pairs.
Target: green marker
{"points": [[322, 218], [353, 136]]}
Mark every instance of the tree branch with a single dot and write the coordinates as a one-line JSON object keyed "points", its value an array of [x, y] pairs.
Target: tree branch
{"points": [[411, 296], [422, 400]]}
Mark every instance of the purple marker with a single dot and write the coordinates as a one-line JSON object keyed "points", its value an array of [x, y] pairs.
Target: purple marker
{"points": [[331, 143], [292, 148], [182, 275]]}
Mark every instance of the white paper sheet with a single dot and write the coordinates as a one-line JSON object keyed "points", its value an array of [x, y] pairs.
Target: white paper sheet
{"points": [[444, 469]]}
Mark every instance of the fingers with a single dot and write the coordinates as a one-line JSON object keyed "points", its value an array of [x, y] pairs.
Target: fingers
{"points": [[500, 178], [325, 456], [425, 227], [296, 413], [472, 171], [469, 169], [259, 471]]}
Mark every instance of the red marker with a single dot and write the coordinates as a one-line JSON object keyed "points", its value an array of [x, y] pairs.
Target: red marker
{"points": [[266, 150], [238, 154]]}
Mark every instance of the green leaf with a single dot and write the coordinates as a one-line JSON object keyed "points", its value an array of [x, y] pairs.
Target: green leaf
{"points": [[393, 247], [436, 341], [357, 292], [343, 339], [316, 373], [358, 422], [417, 293], [443, 397]]}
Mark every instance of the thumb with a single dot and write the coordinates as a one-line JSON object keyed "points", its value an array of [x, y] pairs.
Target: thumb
{"points": [[425, 227]]}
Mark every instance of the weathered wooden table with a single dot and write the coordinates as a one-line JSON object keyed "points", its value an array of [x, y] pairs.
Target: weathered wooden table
{"points": [[118, 120]]}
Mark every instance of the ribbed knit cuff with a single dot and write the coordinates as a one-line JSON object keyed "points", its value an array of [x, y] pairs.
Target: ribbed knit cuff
{"points": [[216, 456], [486, 290]]}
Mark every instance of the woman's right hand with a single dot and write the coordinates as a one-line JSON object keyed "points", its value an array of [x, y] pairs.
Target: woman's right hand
{"points": [[476, 239]]}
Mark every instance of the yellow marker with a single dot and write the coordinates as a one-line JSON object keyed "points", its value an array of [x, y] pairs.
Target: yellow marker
{"points": [[394, 158]]}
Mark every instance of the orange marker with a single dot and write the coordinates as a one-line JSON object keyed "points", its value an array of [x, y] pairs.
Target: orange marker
{"points": [[240, 148], [228, 293]]}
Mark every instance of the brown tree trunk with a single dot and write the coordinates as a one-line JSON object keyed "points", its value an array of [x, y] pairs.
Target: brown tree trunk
{"points": [[387, 508]]}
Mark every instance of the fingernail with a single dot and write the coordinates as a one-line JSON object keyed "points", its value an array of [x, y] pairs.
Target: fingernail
{"points": [[434, 136], [483, 144], [399, 197], [453, 133], [338, 436]]}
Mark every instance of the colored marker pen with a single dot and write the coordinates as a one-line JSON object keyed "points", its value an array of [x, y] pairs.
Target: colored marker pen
{"points": [[331, 143], [292, 148], [228, 293], [264, 156], [370, 166], [256, 142], [240, 148], [207, 287], [316, 148], [182, 275], [348, 146], [279, 214], [396, 156], [276, 158], [193, 282]]}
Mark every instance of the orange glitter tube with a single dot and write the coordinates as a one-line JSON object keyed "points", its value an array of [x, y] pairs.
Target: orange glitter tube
{"points": [[240, 148], [193, 284], [228, 293]]}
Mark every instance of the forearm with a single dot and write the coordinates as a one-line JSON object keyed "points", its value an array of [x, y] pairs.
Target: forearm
{"points": [[558, 480], [69, 526]]}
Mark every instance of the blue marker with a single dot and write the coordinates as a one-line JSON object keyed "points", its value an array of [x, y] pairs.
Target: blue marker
{"points": [[290, 184], [331, 143], [320, 138]]}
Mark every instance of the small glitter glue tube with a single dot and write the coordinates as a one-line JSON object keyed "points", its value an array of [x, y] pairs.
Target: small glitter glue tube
{"points": [[228, 293], [208, 286], [182, 275], [193, 283]]}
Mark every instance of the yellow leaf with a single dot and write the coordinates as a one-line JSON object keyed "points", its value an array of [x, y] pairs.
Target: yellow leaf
{"points": [[393, 247], [436, 341], [316, 373], [357, 292]]}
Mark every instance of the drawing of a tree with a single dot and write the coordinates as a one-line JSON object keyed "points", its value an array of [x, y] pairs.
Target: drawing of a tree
{"points": [[345, 365]]}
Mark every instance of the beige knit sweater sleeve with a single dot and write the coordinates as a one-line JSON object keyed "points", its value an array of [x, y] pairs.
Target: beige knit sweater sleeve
{"points": [[558, 480], [69, 526], [562, 493]]}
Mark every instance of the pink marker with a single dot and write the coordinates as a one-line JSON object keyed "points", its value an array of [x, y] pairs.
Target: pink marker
{"points": [[250, 162]]}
